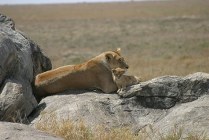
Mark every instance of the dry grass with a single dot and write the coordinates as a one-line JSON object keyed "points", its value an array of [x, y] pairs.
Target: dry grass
{"points": [[67, 130], [157, 38], [178, 134], [70, 130], [79, 131]]}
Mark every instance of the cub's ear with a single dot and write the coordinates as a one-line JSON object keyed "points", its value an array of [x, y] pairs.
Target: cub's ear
{"points": [[113, 70], [118, 50], [109, 57]]}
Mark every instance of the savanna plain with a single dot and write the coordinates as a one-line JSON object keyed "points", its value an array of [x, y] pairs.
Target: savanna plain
{"points": [[156, 37]]}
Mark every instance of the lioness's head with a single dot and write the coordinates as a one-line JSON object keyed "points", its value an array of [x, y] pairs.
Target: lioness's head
{"points": [[115, 60], [118, 72]]}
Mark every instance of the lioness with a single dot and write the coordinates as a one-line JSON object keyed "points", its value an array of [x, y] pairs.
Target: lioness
{"points": [[93, 74], [121, 80]]}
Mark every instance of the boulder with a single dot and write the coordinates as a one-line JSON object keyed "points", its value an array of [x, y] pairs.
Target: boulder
{"points": [[191, 118], [20, 60], [7, 21], [15, 131], [164, 92], [95, 109], [161, 103]]}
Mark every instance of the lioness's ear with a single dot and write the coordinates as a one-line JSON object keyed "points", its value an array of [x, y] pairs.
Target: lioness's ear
{"points": [[109, 57], [118, 50]]}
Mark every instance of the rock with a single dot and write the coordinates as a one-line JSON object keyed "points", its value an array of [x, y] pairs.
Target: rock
{"points": [[15, 131], [6, 21], [20, 60], [164, 92], [160, 103], [191, 117], [96, 109]]}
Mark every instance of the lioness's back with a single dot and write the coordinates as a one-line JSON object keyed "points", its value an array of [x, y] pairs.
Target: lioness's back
{"points": [[95, 73]]}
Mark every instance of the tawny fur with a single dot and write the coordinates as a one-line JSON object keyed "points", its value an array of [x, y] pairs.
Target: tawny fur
{"points": [[122, 81], [93, 74]]}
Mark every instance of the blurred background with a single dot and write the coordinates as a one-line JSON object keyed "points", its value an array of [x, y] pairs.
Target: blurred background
{"points": [[167, 37]]}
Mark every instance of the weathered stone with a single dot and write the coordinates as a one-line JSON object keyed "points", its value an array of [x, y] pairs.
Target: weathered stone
{"points": [[14, 131], [6, 21], [165, 92], [191, 117], [16, 100], [20, 60], [96, 109]]}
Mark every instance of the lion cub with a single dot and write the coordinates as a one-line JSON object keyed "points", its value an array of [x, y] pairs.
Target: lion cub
{"points": [[121, 80]]}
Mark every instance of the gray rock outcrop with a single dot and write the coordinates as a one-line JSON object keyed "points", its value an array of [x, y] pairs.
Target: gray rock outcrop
{"points": [[20, 60], [161, 103], [96, 109], [164, 92], [191, 117], [15, 131]]}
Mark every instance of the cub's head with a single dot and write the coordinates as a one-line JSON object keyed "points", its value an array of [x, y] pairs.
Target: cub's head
{"points": [[115, 60], [118, 72]]}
